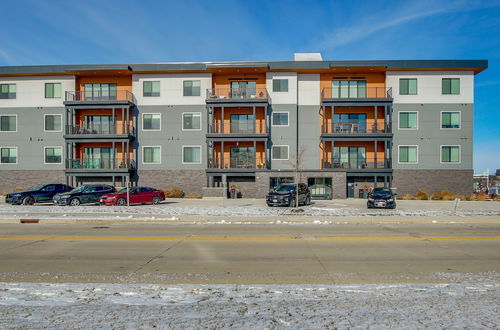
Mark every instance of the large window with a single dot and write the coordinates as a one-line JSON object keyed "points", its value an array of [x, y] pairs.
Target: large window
{"points": [[151, 155], [349, 122], [243, 89], [99, 125], [408, 120], [451, 85], [151, 88], [242, 124], [280, 152], [53, 155], [7, 91], [53, 90], [348, 88], [450, 154], [192, 87], [321, 188], [450, 119], [151, 121], [408, 154], [349, 157], [8, 155], [408, 86], [191, 154], [280, 118], [191, 121], [280, 85], [100, 91], [53, 123], [8, 123]]}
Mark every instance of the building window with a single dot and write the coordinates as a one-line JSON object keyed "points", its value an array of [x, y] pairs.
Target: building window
{"points": [[151, 155], [450, 119], [53, 155], [151, 88], [191, 154], [53, 90], [450, 154], [348, 88], [408, 120], [8, 123], [191, 121], [8, 155], [408, 86], [99, 92], [280, 85], [280, 118], [192, 87], [151, 122], [451, 86], [53, 123], [280, 152], [7, 91], [408, 154]]}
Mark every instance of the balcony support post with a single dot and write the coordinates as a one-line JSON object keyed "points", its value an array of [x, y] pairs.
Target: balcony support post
{"points": [[222, 155], [375, 179], [389, 123], [113, 154], [127, 121], [333, 124], [268, 154], [376, 117], [254, 153], [113, 119], [385, 181], [128, 154], [114, 179], [385, 153], [254, 120], [123, 120], [222, 120], [375, 154]]}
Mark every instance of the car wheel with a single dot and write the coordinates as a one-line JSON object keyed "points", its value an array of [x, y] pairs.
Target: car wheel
{"points": [[156, 200], [74, 202], [121, 202], [28, 200]]}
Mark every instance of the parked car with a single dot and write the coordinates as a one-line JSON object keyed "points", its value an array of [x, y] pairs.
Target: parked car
{"points": [[381, 197], [37, 194], [285, 194], [86, 194], [137, 195]]}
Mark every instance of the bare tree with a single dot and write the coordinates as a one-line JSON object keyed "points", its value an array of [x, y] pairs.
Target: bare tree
{"points": [[296, 162]]}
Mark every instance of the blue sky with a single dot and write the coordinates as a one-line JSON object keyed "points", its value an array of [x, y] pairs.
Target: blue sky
{"points": [[83, 32]]}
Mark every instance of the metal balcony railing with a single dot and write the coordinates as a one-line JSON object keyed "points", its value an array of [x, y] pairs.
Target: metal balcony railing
{"points": [[86, 96], [235, 163], [100, 164], [356, 93], [237, 94], [357, 163], [355, 127], [98, 129]]}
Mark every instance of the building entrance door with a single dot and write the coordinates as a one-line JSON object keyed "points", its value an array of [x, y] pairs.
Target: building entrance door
{"points": [[350, 187]]}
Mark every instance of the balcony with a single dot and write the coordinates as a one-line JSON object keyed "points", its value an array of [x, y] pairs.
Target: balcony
{"points": [[342, 94], [356, 163], [242, 164], [100, 165], [355, 127], [99, 131], [119, 96], [237, 95]]}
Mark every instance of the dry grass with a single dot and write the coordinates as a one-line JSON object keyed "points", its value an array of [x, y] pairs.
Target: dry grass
{"points": [[408, 197], [174, 193], [422, 195], [444, 195], [193, 196]]}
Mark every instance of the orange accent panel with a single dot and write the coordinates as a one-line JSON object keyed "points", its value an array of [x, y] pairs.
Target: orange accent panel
{"points": [[372, 80], [260, 117], [122, 82], [222, 80]]}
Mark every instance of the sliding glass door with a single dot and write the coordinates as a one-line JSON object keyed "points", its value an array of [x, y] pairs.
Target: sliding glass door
{"points": [[242, 124], [100, 92], [349, 157], [243, 89], [97, 158], [98, 124], [242, 157]]}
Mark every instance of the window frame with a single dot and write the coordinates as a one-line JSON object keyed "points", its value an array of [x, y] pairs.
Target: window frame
{"points": [[8, 98], [450, 128], [52, 83], [148, 163], [399, 151], [288, 118], [150, 129], [151, 81], [45, 155], [450, 93], [280, 145], [281, 79], [192, 163], [450, 145], [191, 129], [399, 120], [183, 87], [408, 82], [9, 147], [9, 115], [44, 122]]}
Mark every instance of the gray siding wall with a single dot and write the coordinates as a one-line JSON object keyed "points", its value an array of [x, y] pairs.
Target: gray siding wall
{"points": [[171, 137], [30, 138], [281, 135], [429, 136], [309, 136]]}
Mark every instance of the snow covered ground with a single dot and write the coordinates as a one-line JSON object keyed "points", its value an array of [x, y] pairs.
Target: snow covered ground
{"points": [[247, 209], [131, 306]]}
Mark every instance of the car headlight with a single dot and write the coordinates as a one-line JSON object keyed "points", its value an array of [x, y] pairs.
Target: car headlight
{"points": [[370, 199], [390, 200], [16, 195]]}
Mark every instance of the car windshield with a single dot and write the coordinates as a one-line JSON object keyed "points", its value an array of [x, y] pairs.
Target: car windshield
{"points": [[130, 191], [287, 187], [38, 187], [77, 190], [381, 193]]}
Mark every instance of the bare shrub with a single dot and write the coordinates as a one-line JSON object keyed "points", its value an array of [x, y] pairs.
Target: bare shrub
{"points": [[174, 193]]}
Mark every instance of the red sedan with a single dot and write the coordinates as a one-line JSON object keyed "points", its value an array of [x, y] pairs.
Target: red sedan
{"points": [[137, 195]]}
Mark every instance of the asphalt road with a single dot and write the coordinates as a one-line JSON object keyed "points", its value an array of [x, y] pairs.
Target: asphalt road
{"points": [[248, 254]]}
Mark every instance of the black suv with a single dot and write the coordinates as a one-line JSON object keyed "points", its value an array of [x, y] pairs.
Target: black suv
{"points": [[381, 197], [88, 193], [285, 194], [37, 194]]}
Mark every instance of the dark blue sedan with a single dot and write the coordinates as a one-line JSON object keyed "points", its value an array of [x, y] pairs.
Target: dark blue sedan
{"points": [[37, 194], [381, 198]]}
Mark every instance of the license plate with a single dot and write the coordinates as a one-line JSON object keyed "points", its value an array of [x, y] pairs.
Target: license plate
{"points": [[275, 201], [381, 204]]}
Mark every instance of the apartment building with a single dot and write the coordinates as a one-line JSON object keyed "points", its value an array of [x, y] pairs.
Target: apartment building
{"points": [[339, 126]]}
